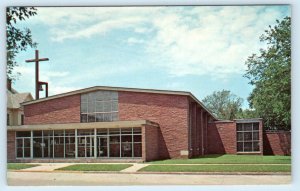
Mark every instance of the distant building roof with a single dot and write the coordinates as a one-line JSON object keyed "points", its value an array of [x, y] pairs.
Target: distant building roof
{"points": [[14, 98]]}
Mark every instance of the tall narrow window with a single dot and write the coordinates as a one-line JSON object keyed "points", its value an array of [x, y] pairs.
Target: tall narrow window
{"points": [[7, 119], [99, 106], [22, 119]]}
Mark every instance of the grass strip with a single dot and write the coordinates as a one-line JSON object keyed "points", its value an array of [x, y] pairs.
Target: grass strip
{"points": [[96, 167], [19, 166], [216, 168], [229, 159]]}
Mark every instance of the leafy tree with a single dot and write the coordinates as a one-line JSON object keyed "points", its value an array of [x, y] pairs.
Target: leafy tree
{"points": [[223, 104], [17, 39], [270, 73], [246, 114]]}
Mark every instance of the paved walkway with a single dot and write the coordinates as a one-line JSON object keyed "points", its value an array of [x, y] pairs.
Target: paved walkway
{"points": [[46, 167], [135, 167], [93, 179]]}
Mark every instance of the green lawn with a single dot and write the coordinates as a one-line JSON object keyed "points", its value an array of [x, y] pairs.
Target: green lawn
{"points": [[216, 168], [18, 166], [229, 159], [96, 167]]}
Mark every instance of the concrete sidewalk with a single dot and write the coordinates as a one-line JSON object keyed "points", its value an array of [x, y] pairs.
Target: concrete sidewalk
{"points": [[93, 179], [46, 167], [135, 167]]}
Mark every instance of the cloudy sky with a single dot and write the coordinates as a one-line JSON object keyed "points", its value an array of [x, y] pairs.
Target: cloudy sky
{"points": [[198, 49]]}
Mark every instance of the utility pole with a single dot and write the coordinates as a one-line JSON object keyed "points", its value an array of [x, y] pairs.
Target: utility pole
{"points": [[38, 84]]}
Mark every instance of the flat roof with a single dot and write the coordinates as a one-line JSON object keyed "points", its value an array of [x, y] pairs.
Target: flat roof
{"points": [[97, 125], [109, 88]]}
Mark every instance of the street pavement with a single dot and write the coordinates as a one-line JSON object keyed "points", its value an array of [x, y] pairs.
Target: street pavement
{"points": [[55, 178]]}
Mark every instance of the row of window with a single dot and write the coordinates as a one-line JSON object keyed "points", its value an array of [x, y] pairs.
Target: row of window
{"points": [[124, 142]]}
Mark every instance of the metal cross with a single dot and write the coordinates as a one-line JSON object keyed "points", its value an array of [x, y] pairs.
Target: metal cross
{"points": [[38, 84]]}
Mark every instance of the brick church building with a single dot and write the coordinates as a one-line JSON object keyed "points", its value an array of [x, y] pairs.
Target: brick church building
{"points": [[112, 123]]}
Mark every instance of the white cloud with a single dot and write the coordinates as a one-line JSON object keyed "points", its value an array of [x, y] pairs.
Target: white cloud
{"points": [[133, 40], [184, 41]]}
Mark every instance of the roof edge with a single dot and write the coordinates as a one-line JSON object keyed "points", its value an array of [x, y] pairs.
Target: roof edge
{"points": [[94, 88]]}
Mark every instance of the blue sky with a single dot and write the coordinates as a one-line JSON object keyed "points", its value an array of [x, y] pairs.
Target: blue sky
{"points": [[200, 49]]}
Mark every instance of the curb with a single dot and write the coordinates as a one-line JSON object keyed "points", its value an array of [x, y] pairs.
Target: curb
{"points": [[169, 173]]}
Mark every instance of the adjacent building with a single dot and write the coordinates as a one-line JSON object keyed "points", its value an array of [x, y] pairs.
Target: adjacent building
{"points": [[113, 123]]}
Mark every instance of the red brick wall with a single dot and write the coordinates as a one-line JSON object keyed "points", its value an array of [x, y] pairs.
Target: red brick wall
{"points": [[150, 143], [277, 143], [60, 110], [169, 111], [221, 138], [11, 146]]}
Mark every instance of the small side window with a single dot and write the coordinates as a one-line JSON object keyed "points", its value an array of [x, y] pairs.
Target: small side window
{"points": [[7, 119], [22, 119]]}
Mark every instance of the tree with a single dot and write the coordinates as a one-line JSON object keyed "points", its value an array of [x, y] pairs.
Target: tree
{"points": [[270, 74], [17, 39], [246, 114], [223, 104]]}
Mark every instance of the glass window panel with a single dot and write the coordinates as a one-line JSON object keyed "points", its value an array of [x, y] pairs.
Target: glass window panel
{"points": [[107, 106], [114, 95], [20, 143], [239, 126], [20, 152], [137, 130], [255, 126], [85, 132], [84, 98], [255, 136], [26, 152], [114, 116], [240, 136], [137, 138], [107, 117], [102, 146], [99, 106], [37, 133], [84, 107], [99, 95], [240, 147], [126, 130], [23, 134], [37, 147], [59, 133], [126, 138], [114, 146], [247, 146], [92, 96], [114, 106], [101, 131], [48, 133], [91, 106], [99, 117], [83, 118], [69, 132], [255, 146], [137, 149], [114, 139], [126, 146], [247, 136], [26, 142], [106, 95], [91, 117], [247, 126], [114, 131]]}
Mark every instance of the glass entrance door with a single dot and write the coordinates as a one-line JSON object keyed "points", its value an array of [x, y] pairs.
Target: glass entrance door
{"points": [[102, 147]]}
